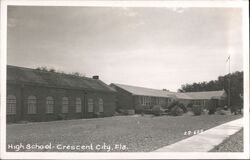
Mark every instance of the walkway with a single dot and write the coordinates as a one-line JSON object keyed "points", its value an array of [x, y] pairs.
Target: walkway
{"points": [[206, 140]]}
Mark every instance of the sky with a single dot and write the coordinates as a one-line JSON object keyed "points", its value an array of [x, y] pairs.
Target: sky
{"points": [[149, 47]]}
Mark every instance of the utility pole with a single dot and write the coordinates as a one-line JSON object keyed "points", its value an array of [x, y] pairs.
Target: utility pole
{"points": [[228, 59]]}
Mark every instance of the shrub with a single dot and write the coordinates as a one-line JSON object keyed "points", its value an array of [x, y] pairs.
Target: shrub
{"points": [[156, 110], [97, 114], [176, 111], [172, 104], [220, 111], [182, 106], [61, 117], [190, 105], [211, 109], [139, 109], [197, 110]]}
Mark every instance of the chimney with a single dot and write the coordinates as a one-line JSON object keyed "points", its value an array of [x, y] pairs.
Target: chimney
{"points": [[95, 77]]}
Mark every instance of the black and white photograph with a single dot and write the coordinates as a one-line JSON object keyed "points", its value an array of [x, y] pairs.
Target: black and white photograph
{"points": [[124, 78]]}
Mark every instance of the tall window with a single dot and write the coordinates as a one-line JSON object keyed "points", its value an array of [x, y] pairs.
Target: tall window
{"points": [[11, 104], [100, 105], [140, 99], [144, 100], [65, 104], [90, 105], [157, 100], [31, 105], [49, 104], [78, 105], [162, 100]]}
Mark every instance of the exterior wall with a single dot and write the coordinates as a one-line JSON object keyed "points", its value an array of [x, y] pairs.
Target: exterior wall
{"points": [[109, 105], [203, 102], [139, 105], [184, 101], [125, 100], [22, 92], [15, 90]]}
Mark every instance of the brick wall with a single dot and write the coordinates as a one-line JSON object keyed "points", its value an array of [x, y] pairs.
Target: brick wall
{"points": [[23, 91], [125, 99]]}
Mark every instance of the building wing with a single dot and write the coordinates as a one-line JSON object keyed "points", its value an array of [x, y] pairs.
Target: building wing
{"points": [[53, 79], [141, 91]]}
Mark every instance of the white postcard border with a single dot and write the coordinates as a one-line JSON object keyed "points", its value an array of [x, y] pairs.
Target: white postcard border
{"points": [[129, 155]]}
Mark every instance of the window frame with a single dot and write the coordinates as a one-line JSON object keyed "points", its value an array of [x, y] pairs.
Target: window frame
{"points": [[65, 106], [101, 106], [49, 105], [90, 105], [78, 105], [32, 105], [11, 105]]}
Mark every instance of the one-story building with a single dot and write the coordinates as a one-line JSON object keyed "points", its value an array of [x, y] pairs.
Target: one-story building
{"points": [[36, 95], [134, 98], [204, 99], [138, 98]]}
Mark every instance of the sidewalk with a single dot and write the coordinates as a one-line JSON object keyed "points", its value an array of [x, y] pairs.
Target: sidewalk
{"points": [[206, 140]]}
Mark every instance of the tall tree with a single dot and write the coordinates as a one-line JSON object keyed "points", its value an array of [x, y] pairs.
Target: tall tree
{"points": [[236, 86]]}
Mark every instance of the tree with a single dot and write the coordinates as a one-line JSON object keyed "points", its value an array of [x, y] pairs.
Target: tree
{"points": [[236, 86], [46, 69]]}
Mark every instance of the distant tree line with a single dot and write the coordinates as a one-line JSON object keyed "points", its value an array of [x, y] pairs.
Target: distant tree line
{"points": [[236, 87], [46, 69]]}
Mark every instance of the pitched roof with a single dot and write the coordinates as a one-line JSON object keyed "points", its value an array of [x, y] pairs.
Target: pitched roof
{"points": [[207, 94], [179, 95], [52, 79], [141, 91]]}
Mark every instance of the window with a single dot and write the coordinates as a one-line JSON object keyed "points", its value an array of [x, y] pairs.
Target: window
{"points": [[65, 104], [144, 100], [78, 105], [49, 105], [90, 105], [141, 100], [100, 105], [198, 102], [31, 105], [11, 104], [157, 100], [162, 101], [148, 101]]}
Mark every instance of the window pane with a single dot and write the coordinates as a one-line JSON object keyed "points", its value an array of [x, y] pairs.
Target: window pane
{"points": [[90, 105], [31, 105], [49, 105], [65, 104], [100, 105], [11, 104], [78, 105]]}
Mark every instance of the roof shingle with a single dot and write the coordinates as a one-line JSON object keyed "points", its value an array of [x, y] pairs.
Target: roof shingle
{"points": [[52, 79], [141, 91]]}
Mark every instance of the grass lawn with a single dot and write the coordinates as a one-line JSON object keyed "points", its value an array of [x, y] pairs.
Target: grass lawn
{"points": [[233, 144], [137, 133]]}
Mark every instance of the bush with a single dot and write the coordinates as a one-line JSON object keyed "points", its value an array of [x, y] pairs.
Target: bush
{"points": [[176, 111], [182, 106], [97, 114], [220, 111], [139, 109], [190, 105], [173, 104], [156, 110], [211, 109], [197, 110], [61, 117]]}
